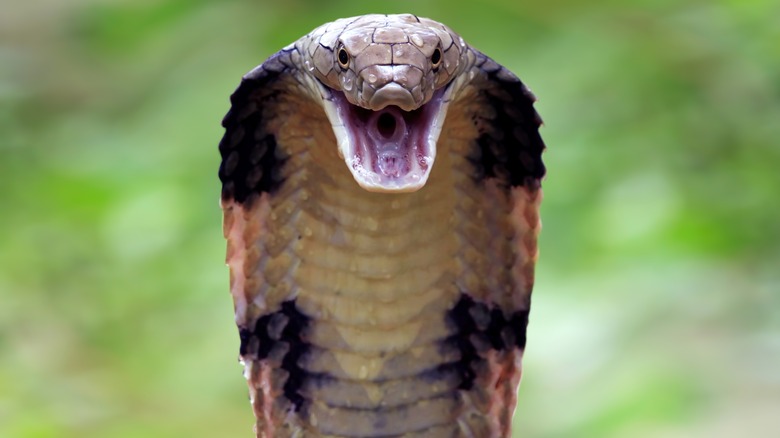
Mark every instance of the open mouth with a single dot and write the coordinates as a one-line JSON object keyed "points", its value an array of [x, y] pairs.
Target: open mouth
{"points": [[388, 150]]}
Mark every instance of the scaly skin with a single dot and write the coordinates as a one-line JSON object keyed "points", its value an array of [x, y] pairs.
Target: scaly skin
{"points": [[400, 313]]}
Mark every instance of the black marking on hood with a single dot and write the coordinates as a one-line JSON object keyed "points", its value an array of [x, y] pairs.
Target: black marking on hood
{"points": [[480, 327], [280, 332], [250, 159], [509, 146]]}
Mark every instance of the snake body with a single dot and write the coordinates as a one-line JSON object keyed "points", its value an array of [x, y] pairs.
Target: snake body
{"points": [[380, 190]]}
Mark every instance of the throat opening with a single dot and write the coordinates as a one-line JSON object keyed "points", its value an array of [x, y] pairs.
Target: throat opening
{"points": [[386, 125]]}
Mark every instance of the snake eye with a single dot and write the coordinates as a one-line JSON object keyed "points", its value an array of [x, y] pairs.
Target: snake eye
{"points": [[436, 58], [343, 57]]}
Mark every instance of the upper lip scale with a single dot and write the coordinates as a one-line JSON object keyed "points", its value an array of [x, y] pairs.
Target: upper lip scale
{"points": [[392, 94]]}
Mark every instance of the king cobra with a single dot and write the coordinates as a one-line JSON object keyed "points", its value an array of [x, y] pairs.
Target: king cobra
{"points": [[381, 190]]}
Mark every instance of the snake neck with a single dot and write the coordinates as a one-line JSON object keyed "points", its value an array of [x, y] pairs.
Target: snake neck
{"points": [[360, 306]]}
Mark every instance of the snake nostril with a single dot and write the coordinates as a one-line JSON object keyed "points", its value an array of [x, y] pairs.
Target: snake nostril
{"points": [[386, 125]]}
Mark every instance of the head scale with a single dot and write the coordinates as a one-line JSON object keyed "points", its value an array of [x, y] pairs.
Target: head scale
{"points": [[378, 62]]}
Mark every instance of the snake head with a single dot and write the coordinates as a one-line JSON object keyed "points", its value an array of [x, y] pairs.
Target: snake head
{"points": [[388, 86]]}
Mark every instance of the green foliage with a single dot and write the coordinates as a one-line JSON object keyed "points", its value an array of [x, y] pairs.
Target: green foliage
{"points": [[656, 306]]}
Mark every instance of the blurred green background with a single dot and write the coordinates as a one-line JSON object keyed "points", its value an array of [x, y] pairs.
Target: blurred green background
{"points": [[657, 306]]}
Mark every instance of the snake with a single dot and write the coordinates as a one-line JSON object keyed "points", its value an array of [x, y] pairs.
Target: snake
{"points": [[381, 185]]}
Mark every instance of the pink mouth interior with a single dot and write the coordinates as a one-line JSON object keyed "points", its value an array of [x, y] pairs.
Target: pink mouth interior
{"points": [[389, 146]]}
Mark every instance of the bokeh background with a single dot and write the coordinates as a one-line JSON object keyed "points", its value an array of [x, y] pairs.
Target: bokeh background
{"points": [[657, 306]]}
